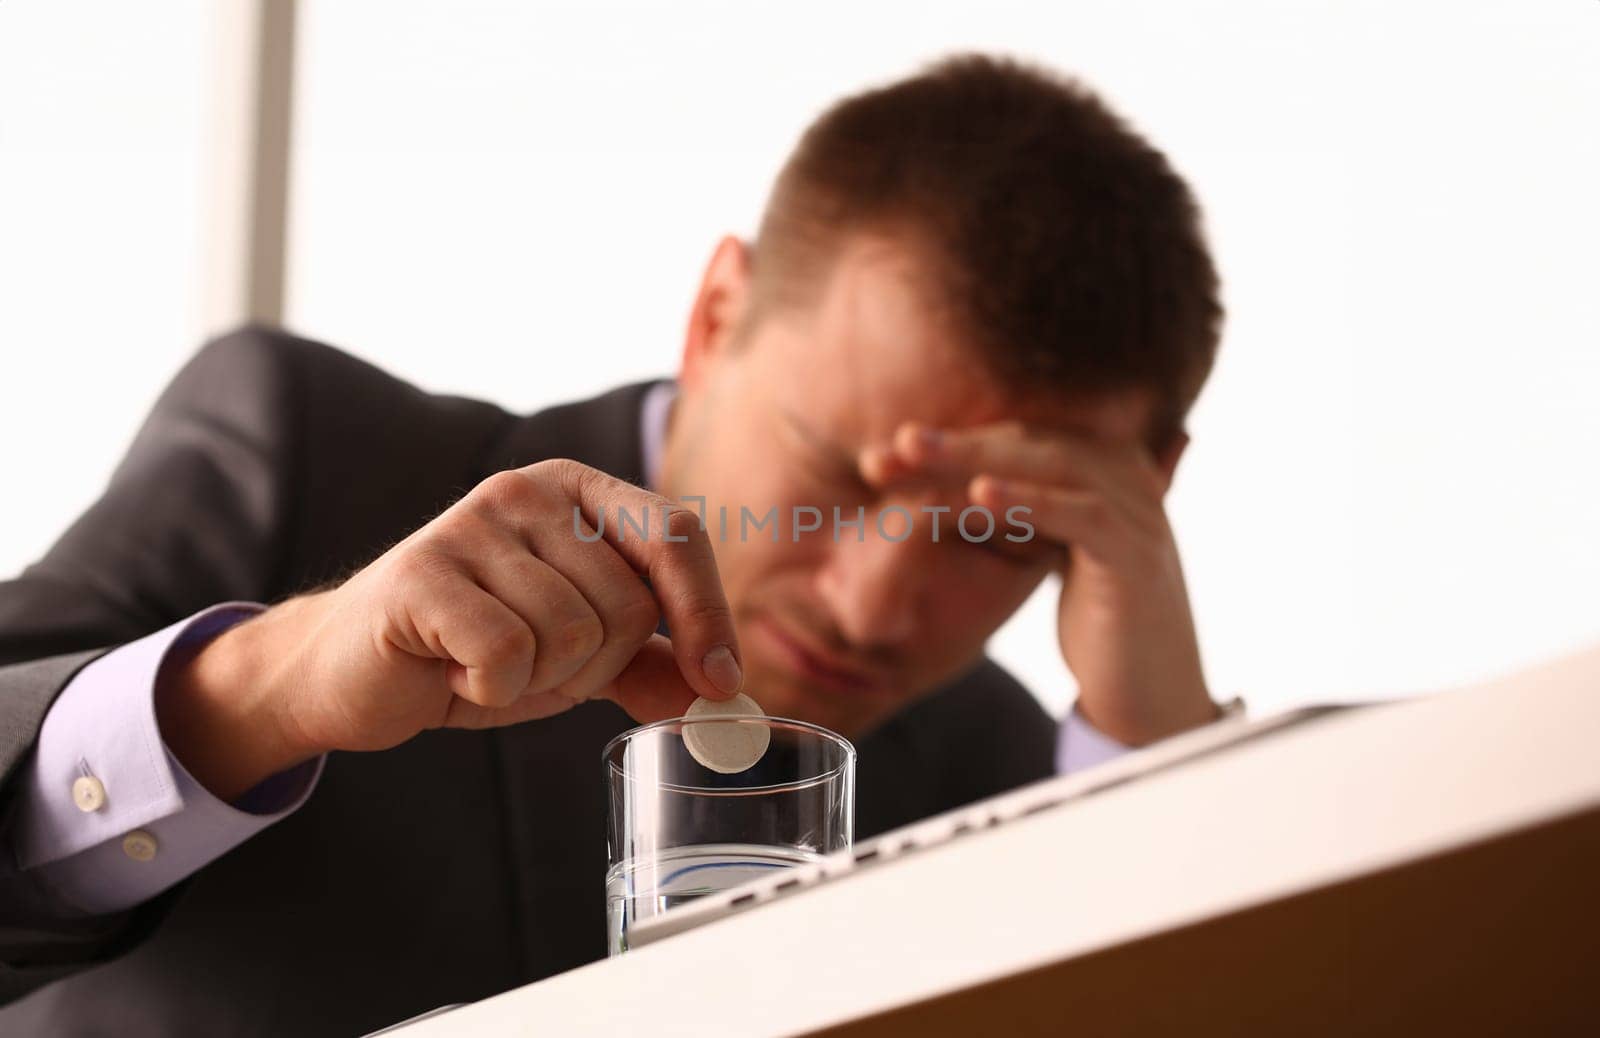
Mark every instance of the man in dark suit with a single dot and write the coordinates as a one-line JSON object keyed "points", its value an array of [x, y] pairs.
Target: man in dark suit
{"points": [[975, 293]]}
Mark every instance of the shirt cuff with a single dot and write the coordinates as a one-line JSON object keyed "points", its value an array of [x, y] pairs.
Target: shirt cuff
{"points": [[107, 816], [1081, 745]]}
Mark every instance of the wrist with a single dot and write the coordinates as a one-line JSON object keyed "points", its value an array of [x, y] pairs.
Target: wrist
{"points": [[223, 707], [1136, 721]]}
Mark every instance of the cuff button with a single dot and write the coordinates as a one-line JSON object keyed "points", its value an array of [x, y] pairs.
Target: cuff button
{"points": [[139, 845], [89, 794]]}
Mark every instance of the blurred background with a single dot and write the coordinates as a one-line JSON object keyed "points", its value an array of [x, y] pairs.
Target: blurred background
{"points": [[1392, 484]]}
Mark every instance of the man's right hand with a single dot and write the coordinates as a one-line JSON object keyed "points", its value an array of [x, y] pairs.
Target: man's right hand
{"points": [[496, 612]]}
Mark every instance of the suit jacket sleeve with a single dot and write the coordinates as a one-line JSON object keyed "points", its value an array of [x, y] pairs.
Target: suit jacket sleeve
{"points": [[196, 513]]}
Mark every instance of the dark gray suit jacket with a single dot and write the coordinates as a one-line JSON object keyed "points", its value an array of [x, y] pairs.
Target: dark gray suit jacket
{"points": [[451, 868]]}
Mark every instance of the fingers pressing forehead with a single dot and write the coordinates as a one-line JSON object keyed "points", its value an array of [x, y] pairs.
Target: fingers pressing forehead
{"points": [[1005, 449]]}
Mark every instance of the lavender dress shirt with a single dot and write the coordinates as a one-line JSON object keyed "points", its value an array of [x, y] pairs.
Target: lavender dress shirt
{"points": [[142, 823]]}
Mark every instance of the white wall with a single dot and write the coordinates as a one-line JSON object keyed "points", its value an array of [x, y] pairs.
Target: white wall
{"points": [[100, 116], [1390, 485]]}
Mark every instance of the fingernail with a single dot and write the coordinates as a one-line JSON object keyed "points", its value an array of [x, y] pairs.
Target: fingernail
{"points": [[722, 668], [915, 442]]}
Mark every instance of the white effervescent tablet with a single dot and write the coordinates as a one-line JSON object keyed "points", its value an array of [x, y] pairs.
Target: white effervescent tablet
{"points": [[726, 748]]}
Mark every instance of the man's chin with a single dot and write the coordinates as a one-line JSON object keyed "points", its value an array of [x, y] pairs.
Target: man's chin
{"points": [[795, 704], [836, 711]]}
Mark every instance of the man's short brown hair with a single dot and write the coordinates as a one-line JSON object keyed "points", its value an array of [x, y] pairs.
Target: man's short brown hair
{"points": [[1072, 255]]}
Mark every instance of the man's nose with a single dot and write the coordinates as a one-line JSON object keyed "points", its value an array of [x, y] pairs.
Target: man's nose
{"points": [[873, 586]]}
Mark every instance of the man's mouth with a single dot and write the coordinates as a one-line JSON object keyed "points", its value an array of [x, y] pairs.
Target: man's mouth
{"points": [[816, 665]]}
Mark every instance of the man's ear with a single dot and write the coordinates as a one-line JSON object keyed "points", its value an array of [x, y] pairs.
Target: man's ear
{"points": [[1167, 458], [718, 310]]}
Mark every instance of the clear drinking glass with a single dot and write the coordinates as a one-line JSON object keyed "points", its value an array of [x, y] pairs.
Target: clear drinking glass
{"points": [[678, 830]]}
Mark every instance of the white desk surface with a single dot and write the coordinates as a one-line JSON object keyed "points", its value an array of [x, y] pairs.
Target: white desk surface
{"points": [[1337, 798]]}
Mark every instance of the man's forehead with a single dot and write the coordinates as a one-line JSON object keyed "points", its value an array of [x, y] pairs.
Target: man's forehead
{"points": [[1108, 420], [1121, 416], [883, 349]]}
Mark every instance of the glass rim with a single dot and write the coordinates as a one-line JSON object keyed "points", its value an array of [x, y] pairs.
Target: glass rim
{"points": [[828, 735]]}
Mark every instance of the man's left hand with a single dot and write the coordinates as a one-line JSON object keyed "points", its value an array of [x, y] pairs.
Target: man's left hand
{"points": [[1124, 623]]}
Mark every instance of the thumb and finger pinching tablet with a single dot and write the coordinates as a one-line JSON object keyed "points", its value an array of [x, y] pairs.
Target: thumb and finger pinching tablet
{"points": [[726, 747]]}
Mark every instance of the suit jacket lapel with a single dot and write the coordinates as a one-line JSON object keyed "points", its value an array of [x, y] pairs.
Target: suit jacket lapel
{"points": [[602, 433]]}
